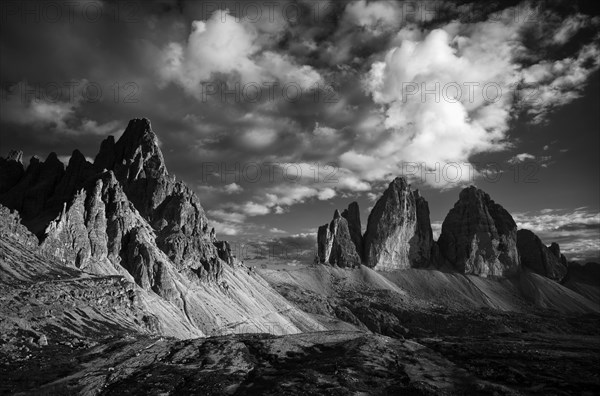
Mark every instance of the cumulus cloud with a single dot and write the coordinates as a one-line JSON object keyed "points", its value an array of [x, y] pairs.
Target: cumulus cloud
{"points": [[554, 84], [292, 184], [233, 188], [447, 94], [543, 160], [326, 194], [230, 217], [521, 158], [446, 126], [572, 25], [375, 16], [235, 48], [225, 228]]}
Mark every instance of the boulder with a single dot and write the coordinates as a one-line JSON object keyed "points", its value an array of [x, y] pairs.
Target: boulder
{"points": [[479, 237], [399, 234], [43, 340]]}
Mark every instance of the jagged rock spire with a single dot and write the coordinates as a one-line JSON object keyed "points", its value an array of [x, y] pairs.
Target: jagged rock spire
{"points": [[398, 234], [334, 244], [136, 162], [352, 216]]}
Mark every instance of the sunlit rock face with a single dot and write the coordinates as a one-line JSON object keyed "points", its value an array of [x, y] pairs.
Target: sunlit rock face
{"points": [[398, 234], [89, 214], [124, 216], [335, 245], [479, 236], [537, 257], [171, 207]]}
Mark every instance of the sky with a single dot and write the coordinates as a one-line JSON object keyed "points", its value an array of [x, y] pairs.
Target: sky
{"points": [[278, 112]]}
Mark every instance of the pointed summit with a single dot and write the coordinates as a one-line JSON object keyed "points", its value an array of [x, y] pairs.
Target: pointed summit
{"points": [[15, 155], [11, 170], [398, 234], [335, 245], [138, 164], [479, 236], [77, 158], [77, 172], [135, 155], [171, 207]]}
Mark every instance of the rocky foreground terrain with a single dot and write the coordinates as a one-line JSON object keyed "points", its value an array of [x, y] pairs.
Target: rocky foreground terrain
{"points": [[113, 282]]}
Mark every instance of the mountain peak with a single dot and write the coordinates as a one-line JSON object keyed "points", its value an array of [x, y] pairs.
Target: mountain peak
{"points": [[15, 155], [398, 234], [77, 157], [139, 132], [479, 237], [400, 183], [11, 170], [135, 155], [53, 160], [472, 191]]}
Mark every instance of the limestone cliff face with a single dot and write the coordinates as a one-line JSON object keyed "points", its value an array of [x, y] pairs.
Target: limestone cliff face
{"points": [[423, 249], [479, 237], [100, 231], [126, 215], [335, 245], [171, 207], [538, 258], [73, 204], [11, 228], [352, 216], [398, 234]]}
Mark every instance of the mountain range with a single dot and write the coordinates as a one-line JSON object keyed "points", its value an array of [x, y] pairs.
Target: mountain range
{"points": [[112, 279]]}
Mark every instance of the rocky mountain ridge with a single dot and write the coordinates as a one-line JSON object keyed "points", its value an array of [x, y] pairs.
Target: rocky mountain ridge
{"points": [[125, 215], [479, 237], [124, 265]]}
